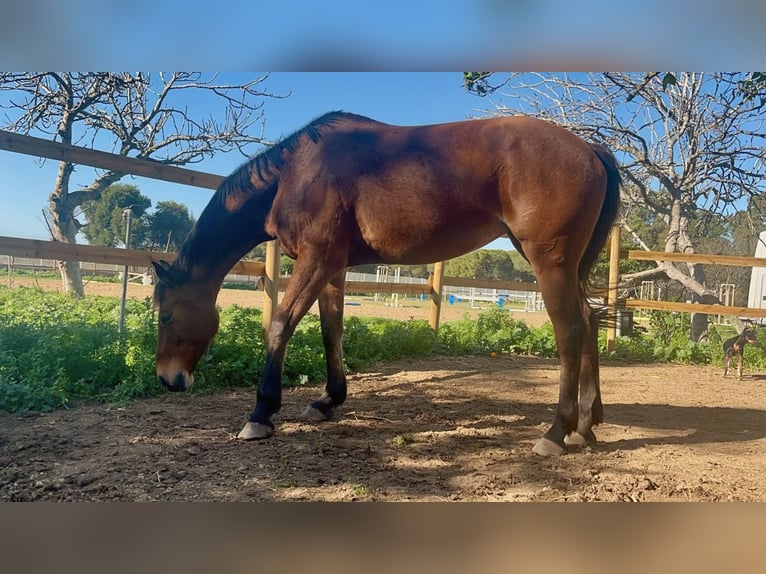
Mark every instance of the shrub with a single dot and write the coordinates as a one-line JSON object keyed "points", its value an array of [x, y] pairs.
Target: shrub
{"points": [[496, 331], [56, 350]]}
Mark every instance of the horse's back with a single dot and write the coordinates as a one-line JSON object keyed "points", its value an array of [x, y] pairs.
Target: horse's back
{"points": [[422, 193]]}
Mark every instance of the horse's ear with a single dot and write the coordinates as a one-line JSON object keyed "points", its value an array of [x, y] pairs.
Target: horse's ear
{"points": [[162, 269]]}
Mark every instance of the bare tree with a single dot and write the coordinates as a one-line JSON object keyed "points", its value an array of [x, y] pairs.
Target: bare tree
{"points": [[691, 144], [141, 115]]}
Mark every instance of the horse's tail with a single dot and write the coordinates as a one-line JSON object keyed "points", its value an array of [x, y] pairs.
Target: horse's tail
{"points": [[608, 215]]}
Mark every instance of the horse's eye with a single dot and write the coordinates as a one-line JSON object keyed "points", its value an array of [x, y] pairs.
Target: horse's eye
{"points": [[166, 319]]}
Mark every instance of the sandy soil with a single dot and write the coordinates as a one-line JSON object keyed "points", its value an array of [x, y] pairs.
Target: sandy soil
{"points": [[443, 428]]}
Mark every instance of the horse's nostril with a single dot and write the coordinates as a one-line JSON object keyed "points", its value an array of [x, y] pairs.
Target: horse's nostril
{"points": [[179, 383]]}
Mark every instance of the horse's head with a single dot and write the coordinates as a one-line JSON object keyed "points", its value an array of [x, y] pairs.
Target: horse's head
{"points": [[188, 320]]}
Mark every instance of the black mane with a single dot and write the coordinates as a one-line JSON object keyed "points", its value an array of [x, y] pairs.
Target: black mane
{"points": [[266, 165]]}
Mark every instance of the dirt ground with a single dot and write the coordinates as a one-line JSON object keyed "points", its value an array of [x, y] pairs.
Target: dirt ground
{"points": [[442, 428]]}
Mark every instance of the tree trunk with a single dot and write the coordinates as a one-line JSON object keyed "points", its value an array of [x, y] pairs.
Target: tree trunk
{"points": [[678, 241], [65, 228]]}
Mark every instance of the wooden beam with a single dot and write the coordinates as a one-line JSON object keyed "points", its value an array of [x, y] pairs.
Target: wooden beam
{"points": [[388, 288], [29, 145], [731, 260], [57, 250], [491, 284], [436, 294], [614, 276], [271, 285], [694, 308]]}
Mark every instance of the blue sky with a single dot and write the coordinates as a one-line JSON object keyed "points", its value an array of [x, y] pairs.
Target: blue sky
{"points": [[400, 98]]}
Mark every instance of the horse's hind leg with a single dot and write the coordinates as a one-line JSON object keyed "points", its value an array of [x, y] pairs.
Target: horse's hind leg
{"points": [[331, 318], [562, 297], [591, 409]]}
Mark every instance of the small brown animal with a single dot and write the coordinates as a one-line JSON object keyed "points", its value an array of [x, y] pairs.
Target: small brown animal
{"points": [[734, 347]]}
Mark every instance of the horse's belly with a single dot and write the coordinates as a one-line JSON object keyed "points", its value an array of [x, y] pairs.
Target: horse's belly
{"points": [[422, 243]]}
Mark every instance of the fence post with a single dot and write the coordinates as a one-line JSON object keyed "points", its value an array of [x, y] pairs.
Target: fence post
{"points": [[436, 294], [614, 276], [270, 284], [126, 213]]}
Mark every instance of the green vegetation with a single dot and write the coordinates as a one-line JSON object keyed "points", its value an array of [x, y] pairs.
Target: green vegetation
{"points": [[165, 227], [57, 350], [490, 264]]}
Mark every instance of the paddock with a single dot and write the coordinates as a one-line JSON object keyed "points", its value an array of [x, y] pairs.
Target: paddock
{"points": [[443, 428], [435, 429]]}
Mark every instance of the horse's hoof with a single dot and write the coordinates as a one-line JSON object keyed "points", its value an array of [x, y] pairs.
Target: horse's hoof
{"points": [[577, 439], [255, 431], [546, 447], [314, 415]]}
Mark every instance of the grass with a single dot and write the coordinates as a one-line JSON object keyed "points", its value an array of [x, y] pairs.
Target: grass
{"points": [[56, 351]]}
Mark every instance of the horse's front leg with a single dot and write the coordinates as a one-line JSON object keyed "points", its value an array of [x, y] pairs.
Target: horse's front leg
{"points": [[331, 318], [307, 281]]}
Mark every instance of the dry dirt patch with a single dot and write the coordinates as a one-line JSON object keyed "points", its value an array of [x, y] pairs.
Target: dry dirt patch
{"points": [[443, 428]]}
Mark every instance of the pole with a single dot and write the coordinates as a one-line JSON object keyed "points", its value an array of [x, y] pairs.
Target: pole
{"points": [[436, 294], [271, 284], [614, 276], [127, 213]]}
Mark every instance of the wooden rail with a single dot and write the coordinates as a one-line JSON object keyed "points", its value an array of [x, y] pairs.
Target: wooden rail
{"points": [[491, 284], [96, 254], [694, 308], [29, 145], [731, 260]]}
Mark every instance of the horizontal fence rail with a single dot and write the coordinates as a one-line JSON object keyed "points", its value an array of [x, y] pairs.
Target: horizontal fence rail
{"points": [[29, 145], [705, 259], [54, 250], [96, 254], [707, 309]]}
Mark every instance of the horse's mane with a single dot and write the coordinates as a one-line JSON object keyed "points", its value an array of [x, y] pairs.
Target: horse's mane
{"points": [[257, 177], [266, 165]]}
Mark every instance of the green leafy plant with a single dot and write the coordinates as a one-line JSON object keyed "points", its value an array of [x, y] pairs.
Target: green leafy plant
{"points": [[57, 350]]}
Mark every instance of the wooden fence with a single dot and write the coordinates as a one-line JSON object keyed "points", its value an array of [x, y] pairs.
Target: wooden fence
{"points": [[53, 250], [270, 269]]}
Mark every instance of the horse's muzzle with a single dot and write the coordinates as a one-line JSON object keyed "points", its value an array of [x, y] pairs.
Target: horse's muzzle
{"points": [[177, 384]]}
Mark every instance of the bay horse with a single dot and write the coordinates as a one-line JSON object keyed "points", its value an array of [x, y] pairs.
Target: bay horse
{"points": [[348, 190]]}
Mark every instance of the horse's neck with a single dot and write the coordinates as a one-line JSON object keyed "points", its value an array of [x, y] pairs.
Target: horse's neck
{"points": [[214, 262], [220, 239]]}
